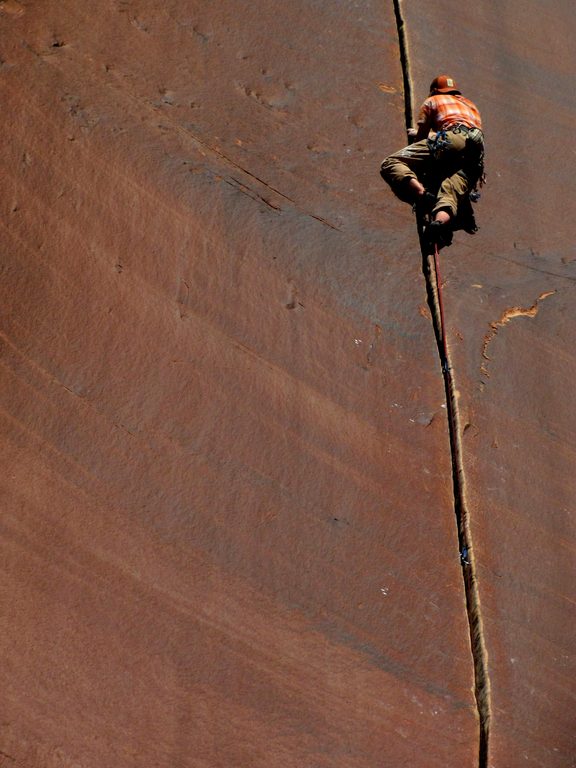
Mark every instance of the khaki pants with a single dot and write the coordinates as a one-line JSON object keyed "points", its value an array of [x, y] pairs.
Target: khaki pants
{"points": [[452, 172]]}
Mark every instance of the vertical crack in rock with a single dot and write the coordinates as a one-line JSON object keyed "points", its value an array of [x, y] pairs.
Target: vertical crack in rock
{"points": [[467, 555], [405, 62]]}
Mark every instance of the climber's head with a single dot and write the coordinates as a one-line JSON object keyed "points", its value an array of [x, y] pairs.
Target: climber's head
{"points": [[443, 84]]}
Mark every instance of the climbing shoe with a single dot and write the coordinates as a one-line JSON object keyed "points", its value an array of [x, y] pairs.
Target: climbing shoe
{"points": [[439, 234], [465, 217], [424, 204]]}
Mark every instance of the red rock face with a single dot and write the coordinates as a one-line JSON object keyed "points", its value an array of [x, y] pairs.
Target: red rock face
{"points": [[228, 535]]}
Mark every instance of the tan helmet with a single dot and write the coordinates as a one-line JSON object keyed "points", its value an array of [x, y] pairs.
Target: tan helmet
{"points": [[443, 84]]}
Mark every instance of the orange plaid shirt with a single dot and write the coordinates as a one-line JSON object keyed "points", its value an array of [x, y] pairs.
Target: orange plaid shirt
{"points": [[444, 110]]}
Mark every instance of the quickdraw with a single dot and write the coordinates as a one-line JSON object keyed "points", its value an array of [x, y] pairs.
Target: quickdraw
{"points": [[438, 144]]}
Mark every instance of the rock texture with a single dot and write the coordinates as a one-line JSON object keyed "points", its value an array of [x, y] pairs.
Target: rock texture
{"points": [[507, 296], [228, 535]]}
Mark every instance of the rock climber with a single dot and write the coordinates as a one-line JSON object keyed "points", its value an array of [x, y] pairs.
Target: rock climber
{"points": [[441, 168]]}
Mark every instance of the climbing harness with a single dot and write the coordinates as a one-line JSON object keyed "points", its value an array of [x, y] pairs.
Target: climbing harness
{"points": [[474, 151], [474, 134]]}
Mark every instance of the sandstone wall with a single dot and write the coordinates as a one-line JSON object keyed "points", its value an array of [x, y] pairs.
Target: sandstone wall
{"points": [[228, 533]]}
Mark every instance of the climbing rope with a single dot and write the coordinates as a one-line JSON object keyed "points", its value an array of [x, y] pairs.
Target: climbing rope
{"points": [[445, 366]]}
